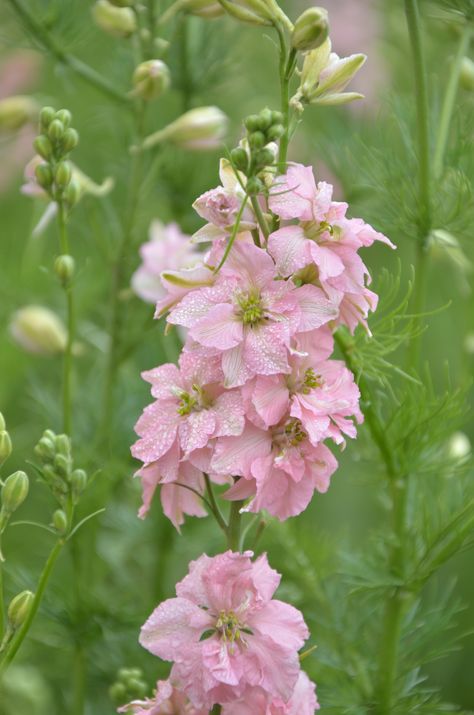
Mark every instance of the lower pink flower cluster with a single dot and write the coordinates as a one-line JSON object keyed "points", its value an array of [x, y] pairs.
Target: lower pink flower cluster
{"points": [[256, 395], [231, 643]]}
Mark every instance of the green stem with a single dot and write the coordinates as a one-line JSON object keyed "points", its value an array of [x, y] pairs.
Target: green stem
{"points": [[18, 639], [214, 505], [118, 281], [262, 221], [235, 524], [286, 72], [216, 710], [67, 364], [449, 102], [2, 601], [38, 30]]}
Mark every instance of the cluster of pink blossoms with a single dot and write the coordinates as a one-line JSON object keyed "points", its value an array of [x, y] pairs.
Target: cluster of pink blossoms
{"points": [[256, 395], [252, 404]]}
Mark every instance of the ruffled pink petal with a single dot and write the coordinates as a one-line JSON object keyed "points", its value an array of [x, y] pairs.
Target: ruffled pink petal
{"points": [[265, 349], [196, 430], [270, 397], [282, 623], [157, 428], [234, 455], [220, 328], [290, 248], [316, 309], [172, 627]]}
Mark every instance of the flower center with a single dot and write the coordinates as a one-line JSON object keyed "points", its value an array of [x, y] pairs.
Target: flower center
{"points": [[294, 432], [251, 309], [229, 626], [311, 381], [192, 401], [314, 229]]}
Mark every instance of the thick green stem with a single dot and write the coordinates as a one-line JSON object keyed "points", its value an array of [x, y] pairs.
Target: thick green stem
{"points": [[235, 525], [18, 639], [67, 363], [449, 102], [286, 71], [216, 710], [214, 505], [38, 30]]}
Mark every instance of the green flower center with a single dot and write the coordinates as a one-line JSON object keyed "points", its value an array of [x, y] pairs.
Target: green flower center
{"points": [[251, 309], [311, 381], [193, 401], [294, 432]]}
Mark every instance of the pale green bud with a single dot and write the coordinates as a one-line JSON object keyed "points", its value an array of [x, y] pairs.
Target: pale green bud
{"points": [[3, 424], [5, 446], [14, 491], [44, 175], [43, 146], [17, 111], [38, 330], [62, 465], [72, 193], [151, 79], [46, 116], [117, 21], [63, 174], [459, 446], [203, 8], [19, 609], [466, 77], [45, 449], [60, 521], [70, 140], [63, 445], [56, 131], [64, 268], [199, 129], [65, 117], [256, 12], [311, 29], [240, 159], [78, 483]]}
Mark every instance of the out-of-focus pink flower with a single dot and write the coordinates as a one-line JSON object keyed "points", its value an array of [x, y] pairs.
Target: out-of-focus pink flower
{"points": [[302, 702], [225, 634], [168, 249], [248, 317], [191, 408], [167, 700]]}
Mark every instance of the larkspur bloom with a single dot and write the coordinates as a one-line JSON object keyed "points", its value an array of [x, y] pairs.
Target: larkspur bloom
{"points": [[190, 409], [225, 634], [248, 317], [167, 700], [323, 247], [169, 249], [302, 702]]}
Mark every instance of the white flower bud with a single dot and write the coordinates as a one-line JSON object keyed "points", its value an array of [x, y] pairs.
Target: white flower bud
{"points": [[466, 77], [151, 79], [459, 446], [14, 491], [256, 12], [311, 29], [17, 111], [38, 330], [199, 129], [117, 21]]}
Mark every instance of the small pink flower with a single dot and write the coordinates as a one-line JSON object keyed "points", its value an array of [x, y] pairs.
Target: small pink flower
{"points": [[302, 702], [295, 195], [279, 467], [167, 700], [167, 249], [190, 409], [225, 633], [248, 317]]}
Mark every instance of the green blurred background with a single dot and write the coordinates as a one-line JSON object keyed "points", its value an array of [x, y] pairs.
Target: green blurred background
{"points": [[363, 149]]}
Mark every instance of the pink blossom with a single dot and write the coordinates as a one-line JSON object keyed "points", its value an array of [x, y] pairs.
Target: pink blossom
{"points": [[168, 249], [302, 702], [224, 632], [190, 409], [167, 700], [295, 195], [248, 317], [279, 467]]}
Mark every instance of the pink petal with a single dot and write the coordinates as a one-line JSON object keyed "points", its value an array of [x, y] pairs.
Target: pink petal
{"points": [[290, 249], [172, 627], [219, 328]]}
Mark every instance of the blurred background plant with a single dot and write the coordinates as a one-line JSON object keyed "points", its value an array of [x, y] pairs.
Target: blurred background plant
{"points": [[125, 77]]}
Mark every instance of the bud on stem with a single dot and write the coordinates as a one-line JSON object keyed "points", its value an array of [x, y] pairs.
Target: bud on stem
{"points": [[19, 609], [14, 492]]}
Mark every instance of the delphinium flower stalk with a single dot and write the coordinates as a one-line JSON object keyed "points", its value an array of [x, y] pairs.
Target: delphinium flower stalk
{"points": [[256, 396]]}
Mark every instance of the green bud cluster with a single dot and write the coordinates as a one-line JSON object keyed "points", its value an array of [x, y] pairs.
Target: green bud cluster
{"points": [[57, 468], [263, 129], [54, 143], [129, 685]]}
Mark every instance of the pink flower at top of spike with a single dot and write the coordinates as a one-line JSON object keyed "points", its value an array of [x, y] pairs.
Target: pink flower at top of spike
{"points": [[225, 634], [248, 317], [168, 249], [190, 409], [167, 700], [279, 467], [220, 206], [302, 702]]}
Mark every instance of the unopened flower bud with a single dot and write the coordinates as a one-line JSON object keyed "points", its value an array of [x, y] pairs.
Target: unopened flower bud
{"points": [[78, 483], [117, 21], [252, 123], [257, 140], [56, 131], [265, 119], [151, 79], [311, 29], [63, 444], [459, 446], [275, 132], [43, 146], [16, 111], [65, 117], [5, 446], [14, 491], [199, 129], [203, 8], [277, 117], [466, 77], [19, 609], [265, 157], [38, 330], [46, 116], [45, 449], [63, 174], [254, 186], [118, 693], [62, 465], [72, 193], [70, 140], [60, 521], [44, 175], [3, 424], [240, 158], [64, 268], [255, 12]]}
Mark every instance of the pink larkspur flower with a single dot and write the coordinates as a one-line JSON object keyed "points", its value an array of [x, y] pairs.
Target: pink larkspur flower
{"points": [[190, 409], [248, 317], [224, 632], [279, 467], [167, 700], [168, 249], [302, 702]]}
